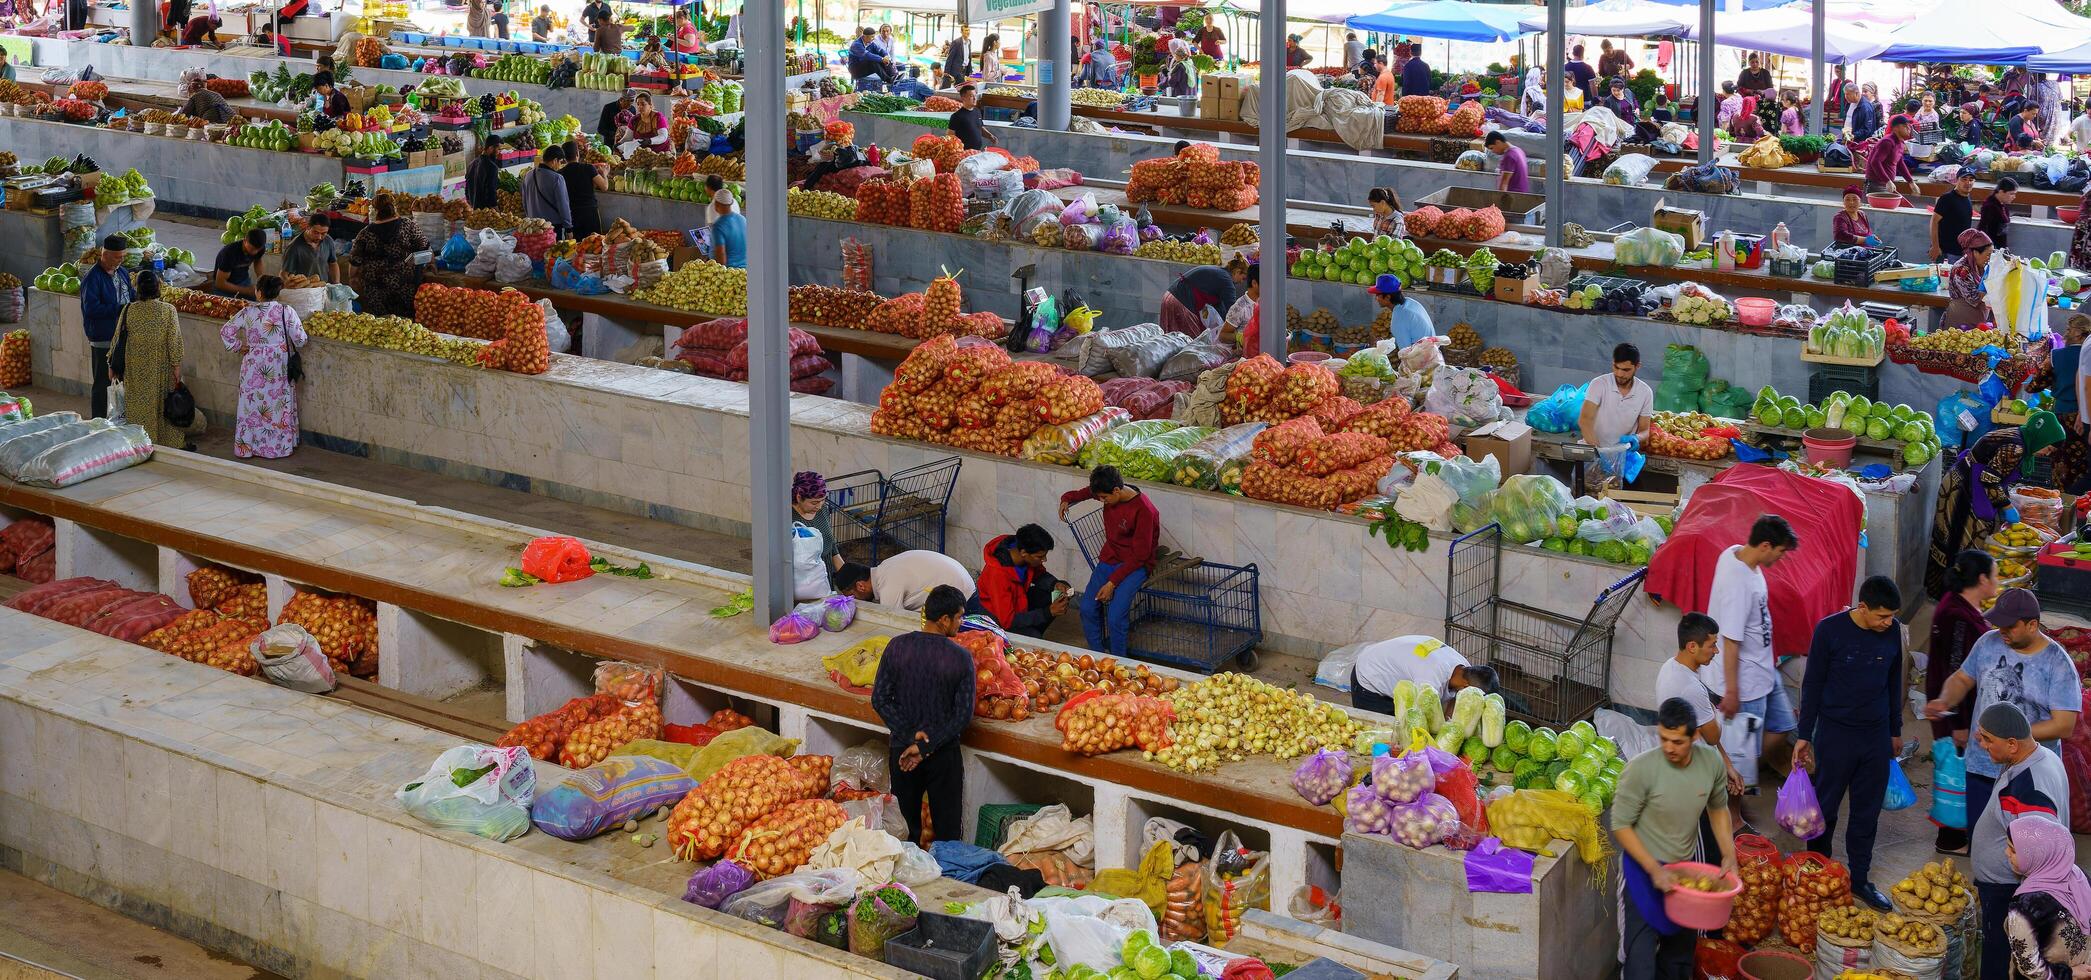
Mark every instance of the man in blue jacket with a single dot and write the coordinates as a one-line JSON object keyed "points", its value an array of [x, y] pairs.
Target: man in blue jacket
{"points": [[104, 291], [868, 59], [1851, 726]]}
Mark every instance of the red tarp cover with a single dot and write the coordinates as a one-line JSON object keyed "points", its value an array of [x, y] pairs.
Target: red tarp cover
{"points": [[1810, 583]]}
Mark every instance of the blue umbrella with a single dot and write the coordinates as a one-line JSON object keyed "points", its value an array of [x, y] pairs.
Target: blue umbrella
{"points": [[1451, 20]]}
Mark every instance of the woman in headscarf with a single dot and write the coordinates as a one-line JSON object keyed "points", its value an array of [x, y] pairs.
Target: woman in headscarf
{"points": [[809, 506], [1967, 291], [1100, 70], [476, 20], [1976, 489], [1176, 78], [1851, 226], [1972, 130], [2045, 922], [1994, 218], [150, 334]]}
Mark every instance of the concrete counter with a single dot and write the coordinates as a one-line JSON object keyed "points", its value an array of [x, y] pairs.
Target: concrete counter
{"points": [[185, 174], [672, 447], [1327, 175]]}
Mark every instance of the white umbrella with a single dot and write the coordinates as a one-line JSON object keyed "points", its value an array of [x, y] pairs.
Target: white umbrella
{"points": [[1789, 31], [1618, 18]]}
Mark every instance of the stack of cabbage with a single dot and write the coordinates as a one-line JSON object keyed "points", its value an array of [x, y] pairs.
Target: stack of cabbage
{"points": [[1855, 414], [1847, 332], [1576, 761]]}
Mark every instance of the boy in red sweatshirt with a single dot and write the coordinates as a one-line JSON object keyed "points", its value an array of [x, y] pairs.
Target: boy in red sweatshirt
{"points": [[1014, 587], [1131, 528]]}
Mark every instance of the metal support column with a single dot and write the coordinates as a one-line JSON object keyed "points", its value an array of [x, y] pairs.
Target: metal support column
{"points": [[145, 23], [1818, 19], [1056, 66], [769, 397], [1556, 140], [1270, 140], [1709, 96]]}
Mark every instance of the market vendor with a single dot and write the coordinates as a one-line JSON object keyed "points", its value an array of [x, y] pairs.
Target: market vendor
{"points": [[1420, 660], [541, 25], [809, 506], [314, 252], [1967, 287], [1851, 226], [1994, 218], [966, 123], [202, 103], [238, 266], [1176, 75], [1755, 78], [647, 125], [1951, 214], [1014, 588], [1971, 129], [1197, 290], [1619, 404], [1511, 171], [688, 39], [1132, 530], [924, 692], [606, 121], [1621, 102], [333, 102], [2023, 130], [483, 174], [201, 31], [1655, 817], [1975, 490], [1408, 322], [1888, 162], [1243, 327], [903, 581], [1099, 69], [1386, 212]]}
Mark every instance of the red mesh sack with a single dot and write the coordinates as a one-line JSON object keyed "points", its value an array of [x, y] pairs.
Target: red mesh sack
{"points": [[721, 334], [2076, 758], [1763, 876], [557, 559], [1717, 959], [1812, 883], [808, 365], [815, 385]]}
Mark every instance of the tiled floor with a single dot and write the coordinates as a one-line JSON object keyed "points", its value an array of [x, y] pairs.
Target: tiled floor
{"points": [[43, 926]]}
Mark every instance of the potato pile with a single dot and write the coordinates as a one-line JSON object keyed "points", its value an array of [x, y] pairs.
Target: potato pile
{"points": [[14, 359], [1936, 890], [1813, 884], [1919, 937], [1757, 907], [1852, 924], [1239, 233], [1464, 336]]}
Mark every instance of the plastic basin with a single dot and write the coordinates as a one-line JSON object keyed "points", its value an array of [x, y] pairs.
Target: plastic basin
{"points": [[1830, 447], [1755, 311], [2067, 216], [1694, 909], [1888, 201], [1306, 357], [1772, 964]]}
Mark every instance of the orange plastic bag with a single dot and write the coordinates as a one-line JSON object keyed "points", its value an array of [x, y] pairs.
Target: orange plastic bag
{"points": [[557, 559]]}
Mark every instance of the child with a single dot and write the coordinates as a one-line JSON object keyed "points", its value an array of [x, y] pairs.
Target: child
{"points": [[1790, 123], [1660, 108]]}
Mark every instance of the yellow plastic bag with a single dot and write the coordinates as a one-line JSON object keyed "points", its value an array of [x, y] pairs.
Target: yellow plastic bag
{"points": [[1149, 882], [859, 662], [702, 761]]}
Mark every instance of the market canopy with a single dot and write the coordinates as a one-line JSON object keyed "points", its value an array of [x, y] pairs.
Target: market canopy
{"points": [[1747, 4], [1619, 18], [1789, 31], [1453, 20], [1984, 32]]}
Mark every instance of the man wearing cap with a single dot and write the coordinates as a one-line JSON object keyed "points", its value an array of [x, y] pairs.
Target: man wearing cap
{"points": [[1888, 161], [1849, 728], [2031, 784], [2014, 664], [104, 291], [1407, 320], [729, 231]]}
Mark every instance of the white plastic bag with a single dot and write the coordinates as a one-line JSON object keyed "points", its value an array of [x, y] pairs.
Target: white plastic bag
{"points": [[1630, 170], [340, 299], [495, 806], [1336, 667], [915, 867], [1631, 738], [1648, 246], [556, 335], [92, 455], [510, 267], [1464, 396], [809, 571], [1742, 737], [1091, 930], [1427, 500], [306, 301], [289, 657], [765, 902], [880, 812]]}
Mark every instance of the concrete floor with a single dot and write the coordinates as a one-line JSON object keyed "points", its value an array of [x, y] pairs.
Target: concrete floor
{"points": [[47, 933]]}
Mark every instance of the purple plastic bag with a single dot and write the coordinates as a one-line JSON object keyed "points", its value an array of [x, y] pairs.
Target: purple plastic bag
{"points": [[1426, 821], [1798, 812], [1491, 867], [1441, 761], [1402, 778], [1365, 813], [837, 612], [711, 887], [794, 627], [1323, 776]]}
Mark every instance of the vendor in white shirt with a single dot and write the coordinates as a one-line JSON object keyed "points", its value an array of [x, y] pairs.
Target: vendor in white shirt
{"points": [[1418, 660], [1619, 404], [904, 580]]}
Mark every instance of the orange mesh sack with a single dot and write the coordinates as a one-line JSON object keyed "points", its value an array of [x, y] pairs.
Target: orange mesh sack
{"points": [[557, 559]]}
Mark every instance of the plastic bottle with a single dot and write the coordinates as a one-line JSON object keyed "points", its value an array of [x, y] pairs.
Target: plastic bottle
{"points": [[1779, 236]]}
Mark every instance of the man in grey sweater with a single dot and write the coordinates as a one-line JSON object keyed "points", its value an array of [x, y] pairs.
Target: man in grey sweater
{"points": [[2032, 785], [544, 192]]}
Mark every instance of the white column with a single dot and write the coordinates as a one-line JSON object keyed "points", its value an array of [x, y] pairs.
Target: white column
{"points": [[1056, 65], [1271, 155], [769, 397]]}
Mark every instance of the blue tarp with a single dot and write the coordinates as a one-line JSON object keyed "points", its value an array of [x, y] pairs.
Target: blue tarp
{"points": [[1451, 20]]}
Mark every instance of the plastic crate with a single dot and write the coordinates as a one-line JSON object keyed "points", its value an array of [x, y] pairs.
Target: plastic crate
{"points": [[994, 817], [1857, 264], [1788, 268], [1826, 378], [944, 947]]}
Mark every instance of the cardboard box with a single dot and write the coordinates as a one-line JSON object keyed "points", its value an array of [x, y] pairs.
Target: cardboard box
{"points": [[1516, 290], [1229, 87], [1680, 221], [685, 254], [1509, 441]]}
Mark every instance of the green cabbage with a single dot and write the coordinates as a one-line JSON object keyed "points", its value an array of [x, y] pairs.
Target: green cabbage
{"points": [[1181, 964], [1606, 749], [1571, 782], [1474, 752], [1569, 744], [1517, 735], [1150, 962], [1493, 711], [1588, 764], [1503, 759], [1541, 746]]}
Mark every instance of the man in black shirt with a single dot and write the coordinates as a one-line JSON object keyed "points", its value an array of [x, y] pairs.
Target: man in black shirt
{"points": [[239, 265], [965, 121], [924, 694], [1851, 727], [483, 175], [1952, 214]]}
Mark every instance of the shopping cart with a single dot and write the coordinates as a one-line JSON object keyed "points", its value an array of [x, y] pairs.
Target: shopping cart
{"points": [[1191, 612], [876, 516], [1558, 666]]}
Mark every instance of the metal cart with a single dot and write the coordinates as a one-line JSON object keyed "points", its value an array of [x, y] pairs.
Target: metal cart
{"points": [[1558, 666], [1190, 613], [876, 516]]}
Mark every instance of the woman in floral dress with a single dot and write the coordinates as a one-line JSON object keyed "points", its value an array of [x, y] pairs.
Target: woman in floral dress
{"points": [[263, 335], [382, 254]]}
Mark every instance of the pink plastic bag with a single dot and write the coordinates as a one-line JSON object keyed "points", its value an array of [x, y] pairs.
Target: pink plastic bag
{"points": [[1798, 812], [794, 627], [1323, 776]]}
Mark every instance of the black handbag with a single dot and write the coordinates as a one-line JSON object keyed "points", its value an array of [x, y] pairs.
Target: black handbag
{"points": [[116, 359], [179, 407], [294, 369]]}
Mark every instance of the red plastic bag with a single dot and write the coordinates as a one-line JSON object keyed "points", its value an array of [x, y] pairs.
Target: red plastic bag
{"points": [[699, 735], [557, 559], [2076, 760], [1458, 785]]}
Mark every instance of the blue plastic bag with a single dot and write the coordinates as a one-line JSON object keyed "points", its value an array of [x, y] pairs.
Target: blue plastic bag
{"points": [[1560, 411], [457, 253], [604, 795], [1950, 412], [1901, 795], [1949, 785]]}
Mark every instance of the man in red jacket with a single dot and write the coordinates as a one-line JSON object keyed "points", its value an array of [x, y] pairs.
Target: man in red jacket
{"points": [[1014, 586], [1131, 528]]}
